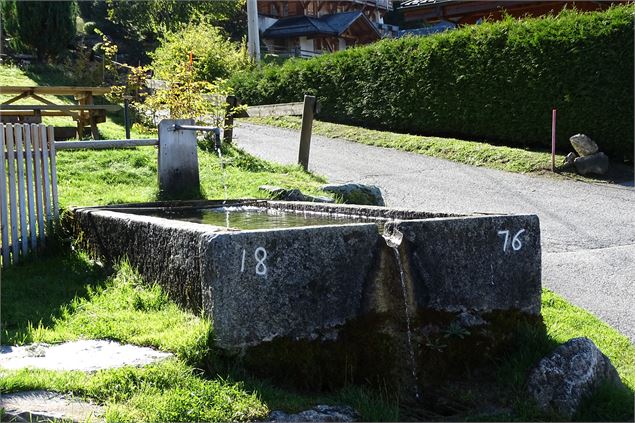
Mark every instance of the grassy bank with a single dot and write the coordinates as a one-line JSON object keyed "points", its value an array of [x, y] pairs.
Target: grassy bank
{"points": [[467, 152]]}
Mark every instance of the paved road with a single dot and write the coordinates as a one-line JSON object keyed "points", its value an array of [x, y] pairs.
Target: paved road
{"points": [[588, 230]]}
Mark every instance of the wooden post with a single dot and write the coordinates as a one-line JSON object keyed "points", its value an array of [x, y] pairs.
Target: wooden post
{"points": [[37, 169], [19, 147], [46, 180], [553, 139], [51, 140], [305, 132], [30, 183], [232, 102], [4, 204], [13, 199], [178, 159]]}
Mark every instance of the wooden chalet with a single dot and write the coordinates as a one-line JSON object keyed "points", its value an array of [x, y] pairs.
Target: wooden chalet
{"points": [[469, 12], [309, 28]]}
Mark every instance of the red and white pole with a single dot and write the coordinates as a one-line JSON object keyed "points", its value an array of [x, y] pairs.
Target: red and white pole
{"points": [[553, 140]]}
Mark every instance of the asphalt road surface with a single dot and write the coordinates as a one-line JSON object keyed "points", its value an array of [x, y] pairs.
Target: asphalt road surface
{"points": [[587, 229]]}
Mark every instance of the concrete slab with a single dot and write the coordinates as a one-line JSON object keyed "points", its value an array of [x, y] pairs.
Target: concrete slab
{"points": [[45, 406], [85, 355]]}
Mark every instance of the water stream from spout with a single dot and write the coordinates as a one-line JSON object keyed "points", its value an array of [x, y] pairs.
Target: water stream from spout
{"points": [[393, 242], [224, 179]]}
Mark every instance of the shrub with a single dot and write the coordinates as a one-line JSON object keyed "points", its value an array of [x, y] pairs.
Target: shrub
{"points": [[497, 81], [214, 56]]}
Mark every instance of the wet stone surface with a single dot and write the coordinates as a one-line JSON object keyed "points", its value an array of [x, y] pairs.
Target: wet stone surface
{"points": [[88, 356], [319, 413], [45, 406]]}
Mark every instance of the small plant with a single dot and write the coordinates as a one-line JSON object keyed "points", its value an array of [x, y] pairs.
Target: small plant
{"points": [[435, 344], [83, 69], [109, 51], [455, 330]]}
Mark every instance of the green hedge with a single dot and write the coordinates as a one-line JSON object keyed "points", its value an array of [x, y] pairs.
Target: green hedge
{"points": [[496, 82]]}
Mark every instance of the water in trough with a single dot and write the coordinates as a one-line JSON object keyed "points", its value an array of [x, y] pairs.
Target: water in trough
{"points": [[253, 217]]}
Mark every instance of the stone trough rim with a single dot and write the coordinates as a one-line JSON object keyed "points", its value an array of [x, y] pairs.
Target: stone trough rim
{"points": [[127, 211]]}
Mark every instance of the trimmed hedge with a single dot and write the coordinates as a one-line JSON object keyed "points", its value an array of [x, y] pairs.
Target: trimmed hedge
{"points": [[496, 82]]}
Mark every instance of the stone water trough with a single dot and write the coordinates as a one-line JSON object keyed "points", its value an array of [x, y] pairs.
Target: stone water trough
{"points": [[331, 294]]}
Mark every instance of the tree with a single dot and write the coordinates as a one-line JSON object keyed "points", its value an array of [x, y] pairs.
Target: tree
{"points": [[147, 20], [43, 27]]}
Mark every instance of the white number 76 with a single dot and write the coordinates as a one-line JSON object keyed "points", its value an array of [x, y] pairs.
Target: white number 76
{"points": [[516, 242]]}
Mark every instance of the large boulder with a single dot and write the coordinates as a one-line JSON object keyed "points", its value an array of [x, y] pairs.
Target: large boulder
{"points": [[583, 145], [597, 163], [369, 195], [570, 373]]}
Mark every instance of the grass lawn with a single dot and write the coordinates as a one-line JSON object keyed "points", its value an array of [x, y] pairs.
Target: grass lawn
{"points": [[48, 75]]}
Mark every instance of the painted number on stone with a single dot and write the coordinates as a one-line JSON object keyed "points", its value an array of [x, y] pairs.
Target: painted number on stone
{"points": [[261, 255], [516, 244]]}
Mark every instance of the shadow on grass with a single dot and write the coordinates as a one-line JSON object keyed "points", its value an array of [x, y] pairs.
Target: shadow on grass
{"points": [[35, 290], [44, 74], [497, 391]]}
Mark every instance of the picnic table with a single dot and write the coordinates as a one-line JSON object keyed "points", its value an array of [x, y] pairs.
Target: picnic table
{"points": [[85, 112]]}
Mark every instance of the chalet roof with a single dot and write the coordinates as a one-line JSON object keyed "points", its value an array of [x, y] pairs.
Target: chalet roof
{"points": [[309, 26], [469, 11], [415, 3]]}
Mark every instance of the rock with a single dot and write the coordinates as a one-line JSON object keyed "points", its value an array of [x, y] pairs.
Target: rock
{"points": [[571, 372], [86, 355], [284, 194], [597, 163], [319, 413], [45, 406], [470, 320], [569, 159], [357, 193], [583, 145]]}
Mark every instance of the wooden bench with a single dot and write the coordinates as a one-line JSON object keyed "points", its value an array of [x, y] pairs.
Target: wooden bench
{"points": [[85, 112]]}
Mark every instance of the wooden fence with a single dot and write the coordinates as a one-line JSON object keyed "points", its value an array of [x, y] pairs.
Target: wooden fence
{"points": [[28, 188]]}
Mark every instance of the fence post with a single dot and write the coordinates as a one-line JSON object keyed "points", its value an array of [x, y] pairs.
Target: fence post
{"points": [[305, 132], [232, 102]]}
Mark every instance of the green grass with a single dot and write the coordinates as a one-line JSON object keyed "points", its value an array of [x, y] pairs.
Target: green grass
{"points": [[467, 152], [119, 308], [67, 297], [94, 177], [35, 75]]}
